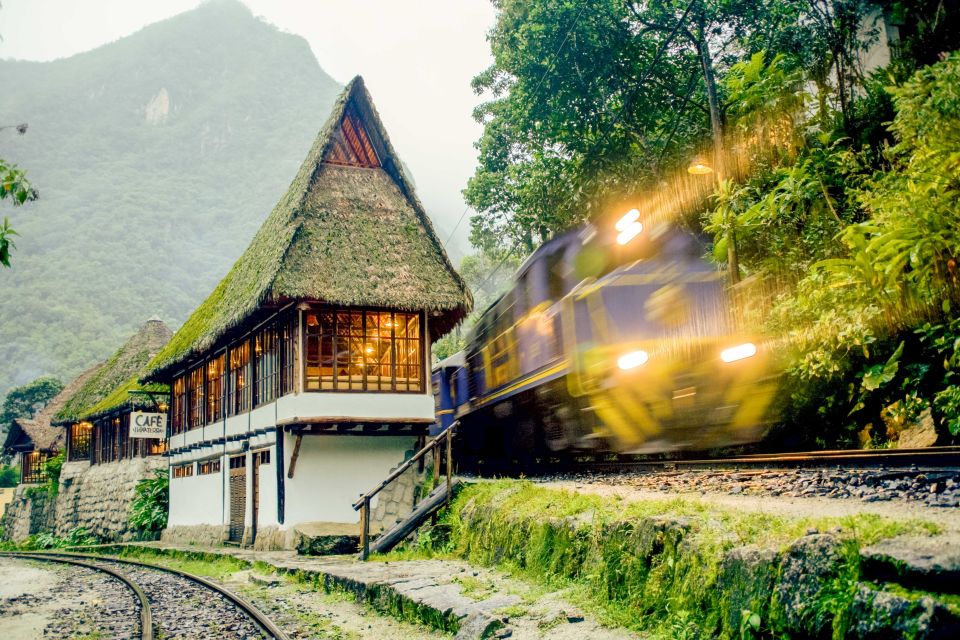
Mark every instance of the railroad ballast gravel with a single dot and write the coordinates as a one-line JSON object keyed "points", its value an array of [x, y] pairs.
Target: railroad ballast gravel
{"points": [[930, 488]]}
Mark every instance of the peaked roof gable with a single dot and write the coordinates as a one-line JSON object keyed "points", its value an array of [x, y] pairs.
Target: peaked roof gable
{"points": [[109, 385], [349, 231], [39, 431]]}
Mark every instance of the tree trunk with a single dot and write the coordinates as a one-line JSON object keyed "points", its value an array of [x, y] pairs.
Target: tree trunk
{"points": [[716, 126]]}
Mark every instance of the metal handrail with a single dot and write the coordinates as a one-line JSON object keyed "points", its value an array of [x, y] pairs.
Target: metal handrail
{"points": [[363, 502]]}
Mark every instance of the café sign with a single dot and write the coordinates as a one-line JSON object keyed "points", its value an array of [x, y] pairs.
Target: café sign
{"points": [[148, 425]]}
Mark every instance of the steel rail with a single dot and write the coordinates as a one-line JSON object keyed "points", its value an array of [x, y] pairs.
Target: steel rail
{"points": [[265, 623], [146, 615], [932, 458]]}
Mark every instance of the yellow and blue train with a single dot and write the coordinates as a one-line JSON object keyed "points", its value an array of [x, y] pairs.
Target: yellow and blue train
{"points": [[621, 339]]}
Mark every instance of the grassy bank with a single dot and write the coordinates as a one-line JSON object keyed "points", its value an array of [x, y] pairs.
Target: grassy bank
{"points": [[676, 568]]}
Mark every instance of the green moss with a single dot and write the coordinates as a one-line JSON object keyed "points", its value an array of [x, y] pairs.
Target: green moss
{"points": [[109, 385], [339, 235], [657, 566]]}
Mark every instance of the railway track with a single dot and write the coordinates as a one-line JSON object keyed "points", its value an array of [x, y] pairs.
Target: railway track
{"points": [[931, 458], [160, 604]]}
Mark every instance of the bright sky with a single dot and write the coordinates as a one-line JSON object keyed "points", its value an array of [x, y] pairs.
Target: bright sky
{"points": [[417, 57]]}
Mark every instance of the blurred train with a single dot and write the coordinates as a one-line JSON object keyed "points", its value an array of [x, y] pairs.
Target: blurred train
{"points": [[615, 339]]}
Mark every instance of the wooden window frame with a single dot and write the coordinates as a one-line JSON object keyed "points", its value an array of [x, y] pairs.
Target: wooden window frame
{"points": [[184, 470], [215, 372], [32, 469], [197, 397], [316, 383], [79, 441], [208, 467]]}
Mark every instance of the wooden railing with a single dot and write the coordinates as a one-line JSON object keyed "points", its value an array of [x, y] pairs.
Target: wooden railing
{"points": [[362, 504]]}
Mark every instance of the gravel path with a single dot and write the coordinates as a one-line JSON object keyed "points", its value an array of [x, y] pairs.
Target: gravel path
{"points": [[43, 600]]}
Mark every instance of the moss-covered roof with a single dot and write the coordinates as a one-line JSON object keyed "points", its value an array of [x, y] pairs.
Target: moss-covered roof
{"points": [[110, 385], [346, 235], [40, 430]]}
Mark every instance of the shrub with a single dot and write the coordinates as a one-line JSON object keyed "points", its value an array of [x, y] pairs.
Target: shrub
{"points": [[148, 511]]}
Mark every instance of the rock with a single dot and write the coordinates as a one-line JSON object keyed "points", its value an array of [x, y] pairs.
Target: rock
{"points": [[263, 581], [876, 615], [920, 434], [807, 567], [322, 539], [931, 564], [747, 579]]}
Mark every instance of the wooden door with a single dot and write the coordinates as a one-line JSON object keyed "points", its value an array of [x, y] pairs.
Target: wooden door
{"points": [[238, 496]]}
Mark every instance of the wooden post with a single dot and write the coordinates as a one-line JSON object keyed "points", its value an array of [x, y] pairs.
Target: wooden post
{"points": [[365, 529], [436, 465], [295, 455], [449, 464]]}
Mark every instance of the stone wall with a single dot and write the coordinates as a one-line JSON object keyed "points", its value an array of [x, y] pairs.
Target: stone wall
{"points": [[26, 514], [98, 497], [397, 500]]}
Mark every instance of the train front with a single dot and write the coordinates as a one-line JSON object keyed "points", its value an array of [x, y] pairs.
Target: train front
{"points": [[657, 354]]}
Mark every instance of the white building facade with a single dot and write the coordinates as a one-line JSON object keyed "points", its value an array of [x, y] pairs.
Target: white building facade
{"points": [[303, 379]]}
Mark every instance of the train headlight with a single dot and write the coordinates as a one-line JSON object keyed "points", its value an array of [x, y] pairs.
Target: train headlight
{"points": [[629, 226], [632, 360], [739, 352], [628, 219]]}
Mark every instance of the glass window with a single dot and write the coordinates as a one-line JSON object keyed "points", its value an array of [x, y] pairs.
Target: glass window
{"points": [[288, 350], [178, 418], [351, 350], [215, 388], [240, 378], [80, 440], [207, 467], [196, 393], [183, 470], [267, 366]]}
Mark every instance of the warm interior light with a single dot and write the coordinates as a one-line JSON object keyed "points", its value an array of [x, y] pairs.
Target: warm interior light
{"points": [[699, 166], [628, 218], [632, 360], [739, 352], [629, 233]]}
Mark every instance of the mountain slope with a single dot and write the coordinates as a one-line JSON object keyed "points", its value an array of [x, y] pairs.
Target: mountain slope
{"points": [[157, 157]]}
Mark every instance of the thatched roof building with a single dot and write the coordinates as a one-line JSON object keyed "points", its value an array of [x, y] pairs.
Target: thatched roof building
{"points": [[38, 433], [339, 235], [109, 386]]}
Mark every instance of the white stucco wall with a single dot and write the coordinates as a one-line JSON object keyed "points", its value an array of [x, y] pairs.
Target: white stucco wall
{"points": [[267, 513], [197, 499], [332, 471], [355, 405]]}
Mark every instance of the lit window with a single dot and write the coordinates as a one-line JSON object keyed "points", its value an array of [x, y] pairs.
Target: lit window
{"points": [[350, 350]]}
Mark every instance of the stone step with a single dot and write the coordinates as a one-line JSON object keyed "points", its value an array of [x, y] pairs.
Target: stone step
{"points": [[931, 564]]}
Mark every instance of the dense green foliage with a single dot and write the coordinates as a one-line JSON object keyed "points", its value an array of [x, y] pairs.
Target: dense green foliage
{"points": [[9, 475], [148, 510], [25, 401], [864, 241], [845, 222], [158, 156]]}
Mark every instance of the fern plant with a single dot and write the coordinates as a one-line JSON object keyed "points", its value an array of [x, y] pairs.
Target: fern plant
{"points": [[148, 511]]}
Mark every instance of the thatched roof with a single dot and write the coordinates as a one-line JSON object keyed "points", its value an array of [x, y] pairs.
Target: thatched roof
{"points": [[38, 433], [110, 385], [346, 235]]}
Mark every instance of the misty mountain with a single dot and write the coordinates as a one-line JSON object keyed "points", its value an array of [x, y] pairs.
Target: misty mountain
{"points": [[157, 157]]}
